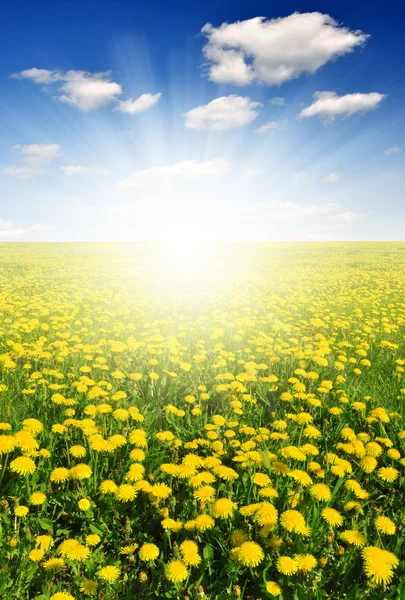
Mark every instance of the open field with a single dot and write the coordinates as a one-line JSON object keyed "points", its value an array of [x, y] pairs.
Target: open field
{"points": [[236, 432]]}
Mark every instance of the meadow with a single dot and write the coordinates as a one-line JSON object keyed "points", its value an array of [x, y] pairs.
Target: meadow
{"points": [[229, 432]]}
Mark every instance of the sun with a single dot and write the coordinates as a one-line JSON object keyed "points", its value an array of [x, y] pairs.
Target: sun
{"points": [[186, 263]]}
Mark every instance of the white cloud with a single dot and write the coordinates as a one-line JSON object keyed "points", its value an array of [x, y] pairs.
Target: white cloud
{"points": [[226, 112], [185, 171], [329, 105], [266, 217], [132, 107], [36, 156], [293, 210], [304, 176], [268, 127], [73, 170], [277, 101], [88, 91], [333, 177], [393, 150], [9, 231], [347, 216], [22, 172], [128, 133], [251, 173], [132, 207], [38, 75], [39, 154], [277, 50], [84, 90]]}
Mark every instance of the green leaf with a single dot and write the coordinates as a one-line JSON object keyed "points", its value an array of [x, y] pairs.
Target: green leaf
{"points": [[95, 529], [208, 553], [45, 524]]}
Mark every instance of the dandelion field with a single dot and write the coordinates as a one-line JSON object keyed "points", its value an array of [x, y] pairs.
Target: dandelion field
{"points": [[234, 432]]}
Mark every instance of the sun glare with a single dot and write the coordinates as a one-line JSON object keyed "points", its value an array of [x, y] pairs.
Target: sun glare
{"points": [[186, 263]]}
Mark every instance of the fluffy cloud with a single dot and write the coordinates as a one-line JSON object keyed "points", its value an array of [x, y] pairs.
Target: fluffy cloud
{"points": [[22, 172], [185, 171], [39, 155], [133, 207], [333, 177], [252, 173], [145, 101], [304, 176], [268, 127], [328, 105], [10, 232], [84, 90], [277, 101], [267, 214], [393, 150], [293, 210], [36, 156], [347, 216], [226, 112], [277, 50], [38, 75], [71, 171], [89, 91]]}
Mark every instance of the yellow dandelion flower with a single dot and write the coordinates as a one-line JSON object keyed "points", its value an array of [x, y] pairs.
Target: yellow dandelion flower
{"points": [[238, 537], [204, 522], [176, 571], [268, 492], [23, 465], [293, 521], [84, 504], [332, 517], [266, 513], [59, 475], [108, 487], [21, 511], [223, 508], [148, 552], [249, 554], [54, 564], [368, 463], [109, 574], [7, 444], [36, 555], [385, 525], [80, 472], [161, 490], [301, 477], [261, 479], [287, 565], [78, 451], [354, 537], [388, 474], [189, 552], [321, 492], [225, 473], [137, 455], [125, 492], [204, 493], [92, 540], [44, 542], [306, 562], [89, 587], [37, 498], [379, 564], [273, 588]]}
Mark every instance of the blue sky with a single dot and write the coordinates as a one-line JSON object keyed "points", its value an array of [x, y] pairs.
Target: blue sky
{"points": [[129, 121]]}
